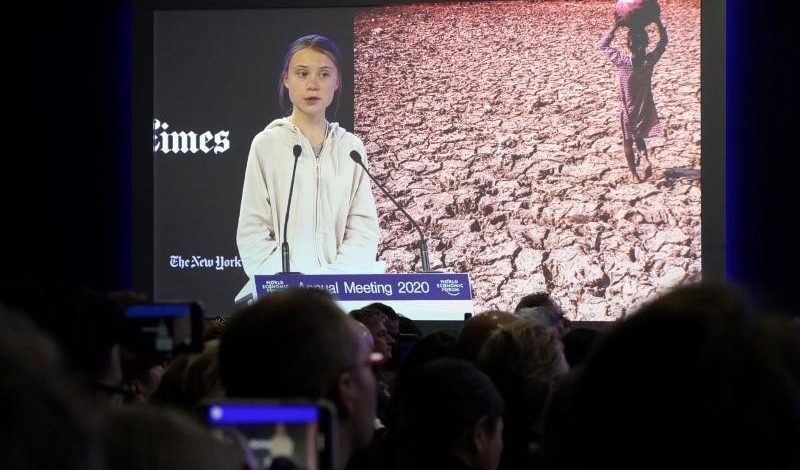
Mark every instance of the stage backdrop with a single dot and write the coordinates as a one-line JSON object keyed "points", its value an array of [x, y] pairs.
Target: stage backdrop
{"points": [[495, 124]]}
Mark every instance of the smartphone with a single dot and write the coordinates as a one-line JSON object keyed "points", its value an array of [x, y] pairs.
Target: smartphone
{"points": [[277, 433], [165, 327], [403, 342]]}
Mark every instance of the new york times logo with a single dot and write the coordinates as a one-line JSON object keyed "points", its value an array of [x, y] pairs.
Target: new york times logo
{"points": [[188, 142], [451, 287], [219, 262]]}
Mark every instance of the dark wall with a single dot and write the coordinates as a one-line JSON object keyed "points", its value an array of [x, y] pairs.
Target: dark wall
{"points": [[66, 189], [762, 188], [67, 143]]}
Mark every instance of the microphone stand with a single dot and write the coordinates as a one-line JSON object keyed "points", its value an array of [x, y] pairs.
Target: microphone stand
{"points": [[297, 150], [423, 244]]}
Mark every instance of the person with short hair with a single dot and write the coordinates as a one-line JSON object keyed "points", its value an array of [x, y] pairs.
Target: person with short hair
{"points": [[298, 343], [375, 321], [525, 360], [451, 418], [392, 322], [475, 331], [47, 421], [545, 309], [143, 437], [691, 379], [87, 325]]}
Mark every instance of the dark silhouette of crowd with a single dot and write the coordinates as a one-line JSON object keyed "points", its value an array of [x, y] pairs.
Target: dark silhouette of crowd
{"points": [[696, 377]]}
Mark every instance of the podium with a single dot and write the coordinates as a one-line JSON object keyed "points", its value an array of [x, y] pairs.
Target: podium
{"points": [[431, 296]]}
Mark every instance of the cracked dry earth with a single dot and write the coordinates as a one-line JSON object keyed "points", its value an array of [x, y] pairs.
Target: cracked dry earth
{"points": [[496, 125]]}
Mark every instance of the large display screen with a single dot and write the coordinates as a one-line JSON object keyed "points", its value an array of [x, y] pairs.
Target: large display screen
{"points": [[496, 125]]}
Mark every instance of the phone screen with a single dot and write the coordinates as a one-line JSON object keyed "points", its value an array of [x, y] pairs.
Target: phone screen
{"points": [[278, 434], [166, 327]]}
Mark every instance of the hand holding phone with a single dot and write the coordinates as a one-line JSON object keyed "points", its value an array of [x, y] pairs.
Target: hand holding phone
{"points": [[165, 327], [280, 434]]}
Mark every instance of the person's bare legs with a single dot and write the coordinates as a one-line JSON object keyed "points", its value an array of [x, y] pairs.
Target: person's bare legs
{"points": [[648, 168], [631, 159]]}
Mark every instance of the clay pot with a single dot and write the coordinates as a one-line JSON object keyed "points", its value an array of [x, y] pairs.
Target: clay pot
{"points": [[637, 13]]}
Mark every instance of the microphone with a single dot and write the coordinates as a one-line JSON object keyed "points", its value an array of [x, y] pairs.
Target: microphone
{"points": [[297, 150], [423, 245]]}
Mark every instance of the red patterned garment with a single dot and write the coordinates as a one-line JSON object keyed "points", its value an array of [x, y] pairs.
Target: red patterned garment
{"points": [[637, 108]]}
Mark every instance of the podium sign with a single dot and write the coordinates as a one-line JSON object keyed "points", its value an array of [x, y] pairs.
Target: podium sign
{"points": [[419, 296]]}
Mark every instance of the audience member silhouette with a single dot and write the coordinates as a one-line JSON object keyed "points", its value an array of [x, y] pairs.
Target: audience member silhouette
{"points": [[451, 417], [86, 324], [475, 331], [524, 359], [392, 317], [578, 342], [375, 321], [141, 437], [388, 370], [213, 328], [433, 345], [142, 372], [142, 366], [191, 378], [408, 335], [298, 343], [684, 382], [542, 307], [48, 421]]}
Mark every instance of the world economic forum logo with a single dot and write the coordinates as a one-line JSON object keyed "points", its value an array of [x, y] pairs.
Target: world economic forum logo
{"points": [[273, 285], [451, 287]]}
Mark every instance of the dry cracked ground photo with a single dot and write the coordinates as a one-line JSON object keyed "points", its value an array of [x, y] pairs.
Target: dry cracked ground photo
{"points": [[496, 125]]}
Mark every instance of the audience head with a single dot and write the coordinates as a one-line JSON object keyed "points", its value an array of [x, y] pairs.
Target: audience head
{"points": [[298, 343], [433, 345], [408, 326], [686, 378], [213, 328], [392, 317], [475, 331], [191, 378], [577, 344], [47, 422], [450, 409], [542, 307], [86, 325], [523, 352], [141, 437], [408, 335], [375, 321], [524, 359], [142, 373]]}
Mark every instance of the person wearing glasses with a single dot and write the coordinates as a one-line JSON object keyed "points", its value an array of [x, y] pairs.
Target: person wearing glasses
{"points": [[298, 343]]}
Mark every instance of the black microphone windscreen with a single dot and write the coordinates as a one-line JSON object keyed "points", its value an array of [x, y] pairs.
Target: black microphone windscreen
{"points": [[297, 150], [356, 156]]}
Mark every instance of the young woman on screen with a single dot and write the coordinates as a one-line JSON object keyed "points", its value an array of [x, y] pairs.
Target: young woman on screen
{"points": [[638, 115], [332, 220]]}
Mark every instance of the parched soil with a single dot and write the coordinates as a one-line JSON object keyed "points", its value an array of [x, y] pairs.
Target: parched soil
{"points": [[496, 125]]}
